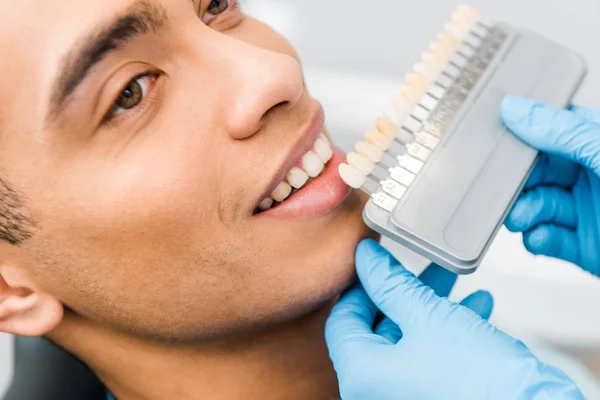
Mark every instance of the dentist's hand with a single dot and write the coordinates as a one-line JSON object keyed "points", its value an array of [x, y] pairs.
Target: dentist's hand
{"points": [[559, 210], [428, 347]]}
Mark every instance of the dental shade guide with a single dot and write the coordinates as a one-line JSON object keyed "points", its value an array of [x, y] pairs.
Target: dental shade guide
{"points": [[441, 169]]}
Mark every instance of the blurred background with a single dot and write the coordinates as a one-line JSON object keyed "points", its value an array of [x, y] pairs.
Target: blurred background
{"points": [[355, 54]]}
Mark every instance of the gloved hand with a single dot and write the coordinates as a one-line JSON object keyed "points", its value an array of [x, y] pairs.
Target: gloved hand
{"points": [[559, 210], [427, 347]]}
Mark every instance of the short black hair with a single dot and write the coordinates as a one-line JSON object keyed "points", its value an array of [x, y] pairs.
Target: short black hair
{"points": [[16, 225]]}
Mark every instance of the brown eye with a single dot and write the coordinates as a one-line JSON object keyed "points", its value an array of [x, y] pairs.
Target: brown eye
{"points": [[217, 7], [131, 96]]}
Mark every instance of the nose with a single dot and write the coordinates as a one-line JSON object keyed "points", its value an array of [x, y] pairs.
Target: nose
{"points": [[256, 81]]}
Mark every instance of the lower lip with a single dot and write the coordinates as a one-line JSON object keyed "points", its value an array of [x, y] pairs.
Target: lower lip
{"points": [[320, 196]]}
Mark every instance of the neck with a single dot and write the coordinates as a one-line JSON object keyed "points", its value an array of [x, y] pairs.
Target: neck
{"points": [[287, 362]]}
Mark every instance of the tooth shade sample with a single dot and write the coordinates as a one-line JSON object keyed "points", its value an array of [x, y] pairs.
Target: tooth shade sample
{"points": [[440, 51], [265, 204], [370, 151], [427, 72], [433, 60], [411, 94], [379, 139], [323, 150], [351, 176], [448, 42], [360, 163], [385, 126], [458, 31], [395, 116], [467, 14], [296, 178], [324, 136], [312, 164], [417, 81], [403, 105], [281, 192]]}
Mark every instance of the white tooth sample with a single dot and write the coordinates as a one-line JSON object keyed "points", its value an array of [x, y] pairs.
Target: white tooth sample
{"points": [[448, 42], [458, 31], [462, 19], [265, 204], [379, 139], [439, 50], [296, 178], [467, 13], [360, 163], [351, 176], [323, 150], [385, 126], [426, 71], [433, 60], [403, 105], [312, 164], [323, 136], [370, 151], [395, 115], [412, 94], [281, 192], [417, 81]]}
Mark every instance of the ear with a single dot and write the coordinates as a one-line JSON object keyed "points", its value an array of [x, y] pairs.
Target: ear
{"points": [[24, 309]]}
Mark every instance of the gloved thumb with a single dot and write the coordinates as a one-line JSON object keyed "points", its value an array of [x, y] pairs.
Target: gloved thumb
{"points": [[554, 131], [398, 293]]}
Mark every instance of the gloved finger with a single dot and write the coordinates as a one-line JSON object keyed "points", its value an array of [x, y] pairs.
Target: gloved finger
{"points": [[439, 279], [544, 204], [389, 330], [394, 290], [591, 114], [480, 302], [553, 170], [554, 131], [351, 321], [553, 241]]}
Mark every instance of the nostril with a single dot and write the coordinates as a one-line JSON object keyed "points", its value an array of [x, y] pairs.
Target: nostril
{"points": [[281, 105]]}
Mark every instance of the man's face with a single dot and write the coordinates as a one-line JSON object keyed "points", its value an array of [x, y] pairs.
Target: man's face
{"points": [[142, 136]]}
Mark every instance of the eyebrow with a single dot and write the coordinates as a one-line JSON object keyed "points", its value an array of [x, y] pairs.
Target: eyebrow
{"points": [[140, 18]]}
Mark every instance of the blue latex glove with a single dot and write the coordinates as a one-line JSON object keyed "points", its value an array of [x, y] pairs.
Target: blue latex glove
{"points": [[428, 347], [559, 210]]}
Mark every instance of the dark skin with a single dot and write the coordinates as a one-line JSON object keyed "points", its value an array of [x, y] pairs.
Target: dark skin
{"points": [[147, 260]]}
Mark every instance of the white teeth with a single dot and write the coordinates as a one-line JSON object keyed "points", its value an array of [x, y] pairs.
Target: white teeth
{"points": [[312, 164], [385, 126], [296, 178], [448, 42], [458, 31], [323, 149], [282, 192], [360, 163], [410, 93], [396, 116], [433, 60], [379, 139], [426, 71], [370, 151], [265, 204], [351, 176], [417, 81], [440, 51]]}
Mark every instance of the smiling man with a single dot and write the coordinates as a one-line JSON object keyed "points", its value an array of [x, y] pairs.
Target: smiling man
{"points": [[169, 205]]}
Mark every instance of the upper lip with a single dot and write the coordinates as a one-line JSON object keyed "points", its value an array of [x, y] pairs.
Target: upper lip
{"points": [[304, 144]]}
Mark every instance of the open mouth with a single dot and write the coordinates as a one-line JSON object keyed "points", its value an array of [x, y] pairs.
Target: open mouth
{"points": [[311, 165]]}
